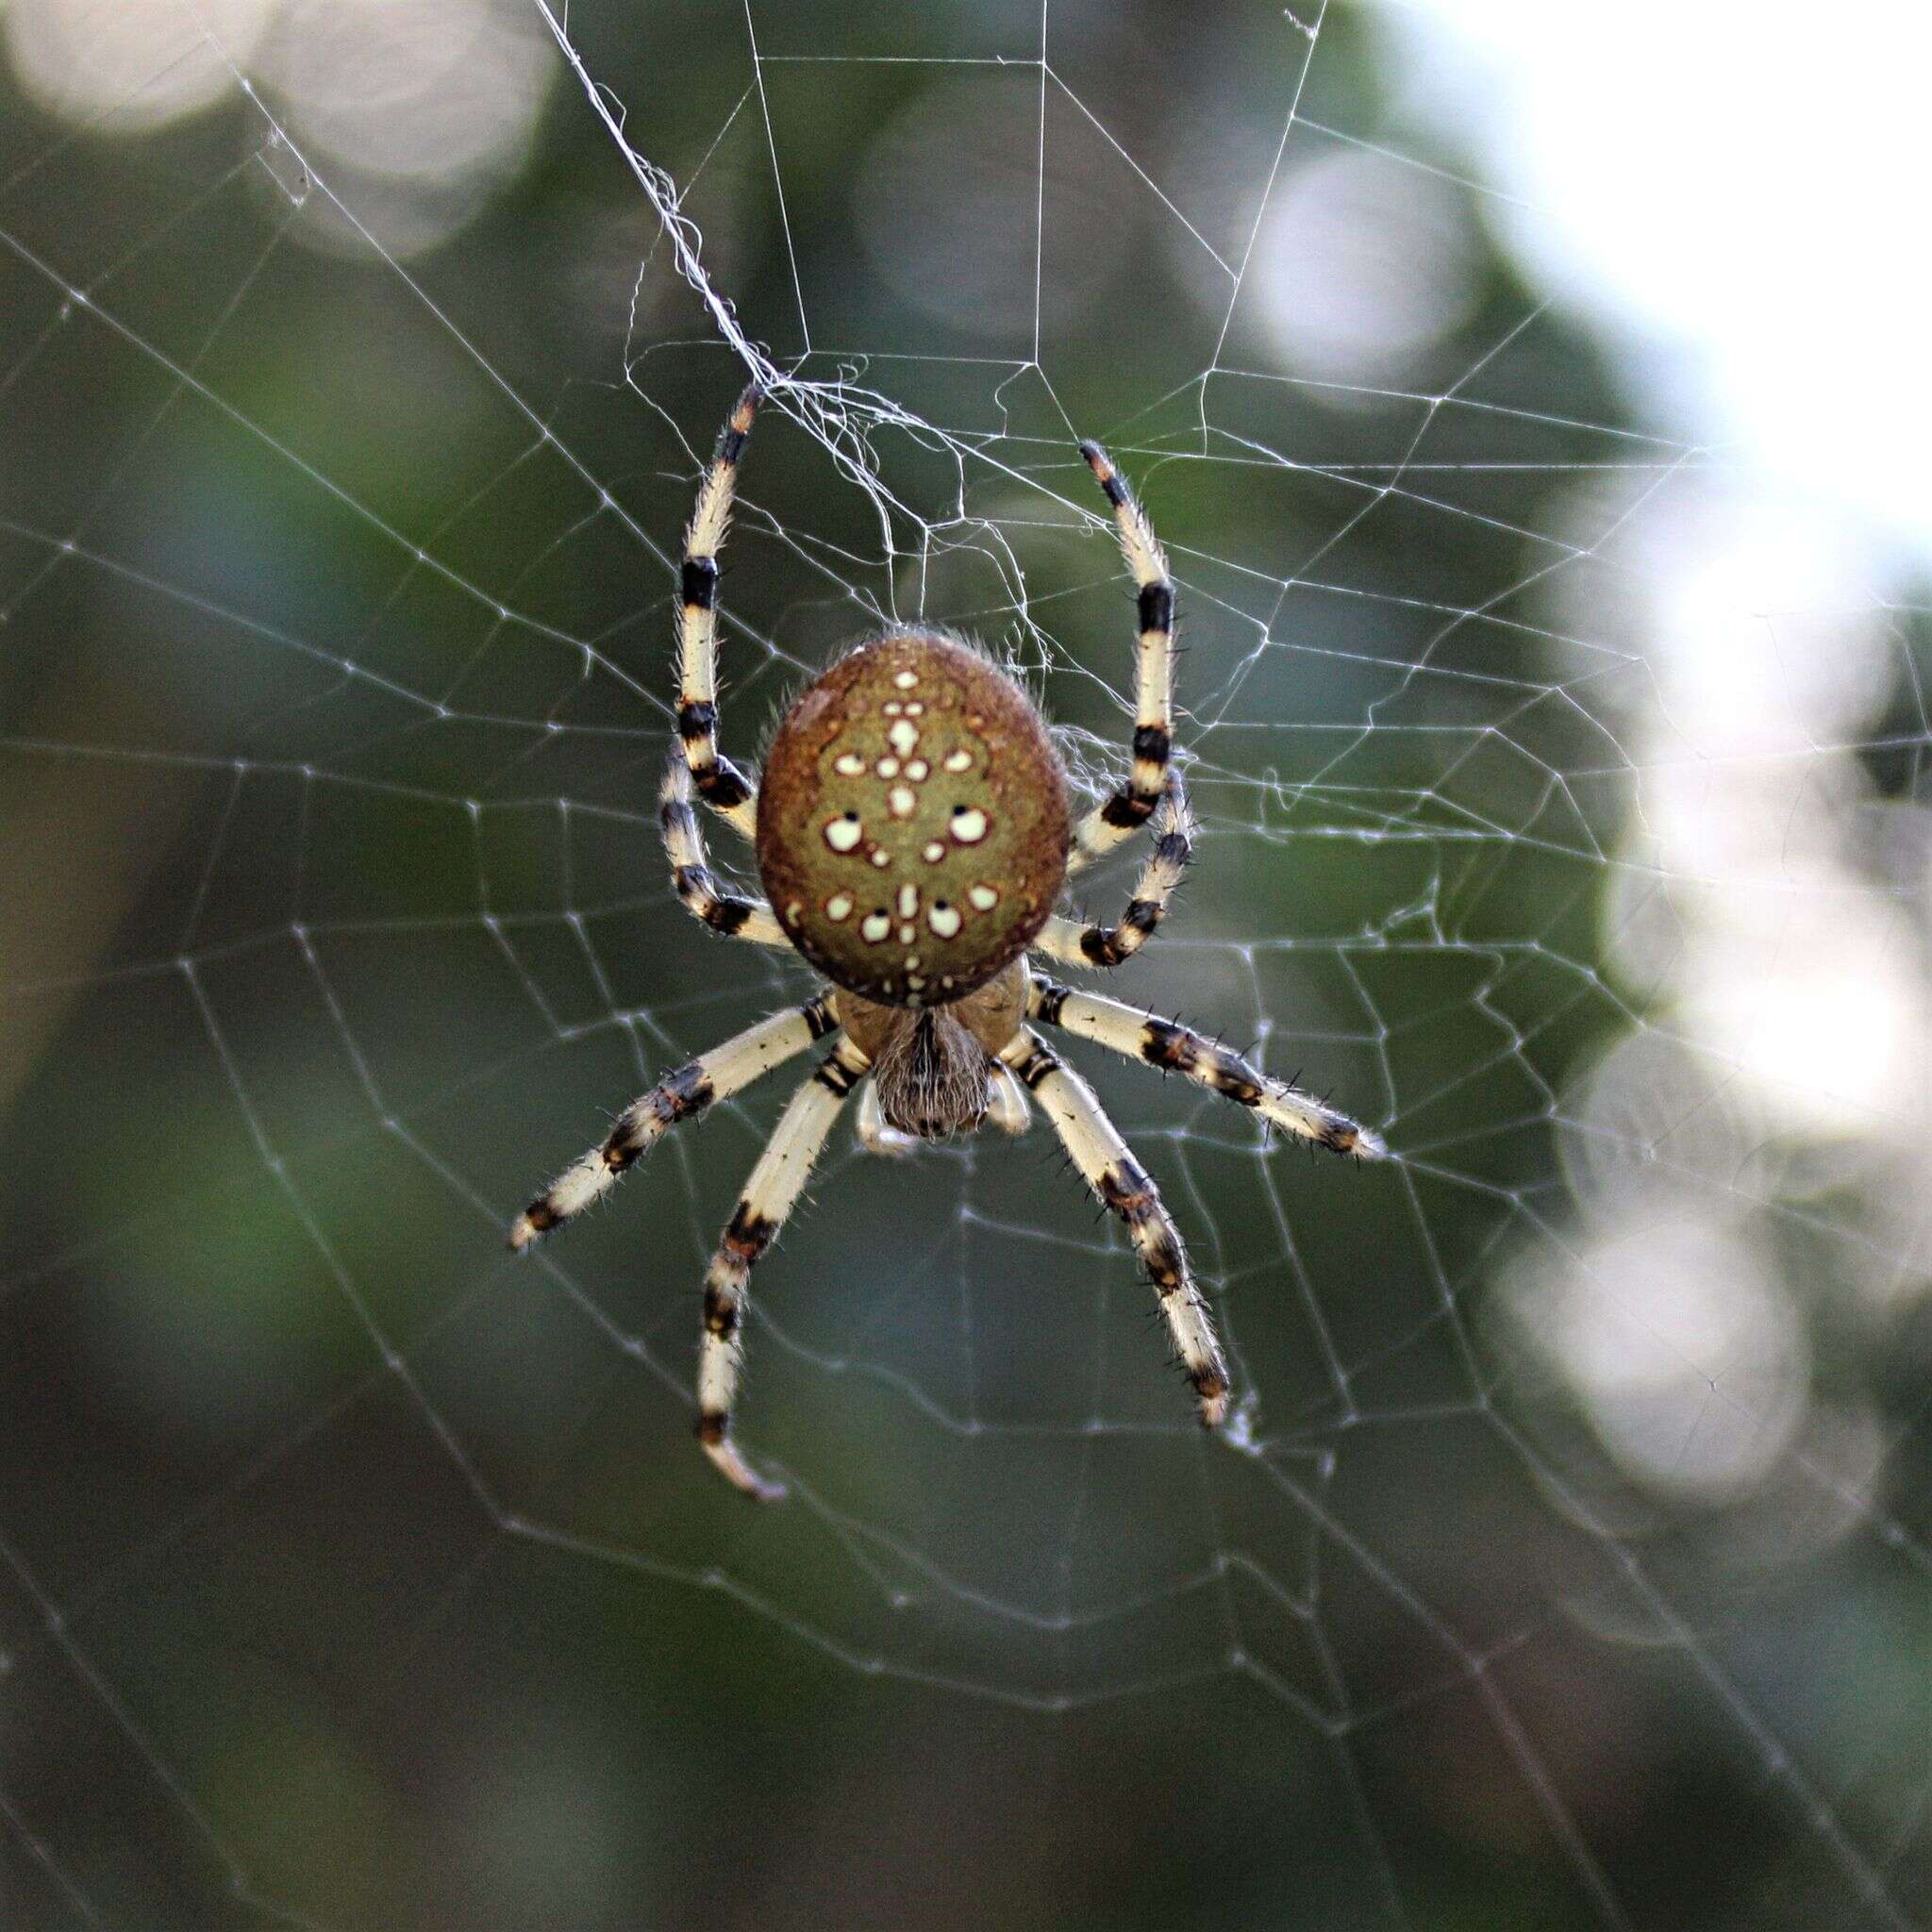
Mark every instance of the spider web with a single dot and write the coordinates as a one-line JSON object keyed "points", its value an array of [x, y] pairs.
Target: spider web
{"points": [[1566, 1560]]}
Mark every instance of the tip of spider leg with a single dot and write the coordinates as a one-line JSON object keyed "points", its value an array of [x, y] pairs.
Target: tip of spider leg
{"points": [[746, 406], [1369, 1145], [736, 1471], [522, 1232], [749, 1483], [1097, 460]]}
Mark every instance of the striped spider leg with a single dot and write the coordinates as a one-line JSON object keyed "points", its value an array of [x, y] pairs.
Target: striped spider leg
{"points": [[720, 783], [1107, 946], [1119, 816], [696, 885], [1181, 1050], [678, 1096], [768, 1196], [1123, 1185], [1153, 795]]}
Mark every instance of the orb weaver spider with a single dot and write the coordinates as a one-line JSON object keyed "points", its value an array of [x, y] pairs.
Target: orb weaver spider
{"points": [[913, 831]]}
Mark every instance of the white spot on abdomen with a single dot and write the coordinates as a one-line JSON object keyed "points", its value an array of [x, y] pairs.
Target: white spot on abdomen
{"points": [[905, 679], [874, 926], [839, 906], [903, 737], [909, 901], [984, 898], [848, 764], [903, 801], [944, 920], [969, 823], [843, 833], [960, 760]]}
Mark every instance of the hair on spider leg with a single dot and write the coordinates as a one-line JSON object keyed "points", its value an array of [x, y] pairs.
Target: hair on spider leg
{"points": [[1053, 1153]]}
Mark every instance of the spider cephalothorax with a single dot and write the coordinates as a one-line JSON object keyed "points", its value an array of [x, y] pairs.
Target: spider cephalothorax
{"points": [[912, 836]]}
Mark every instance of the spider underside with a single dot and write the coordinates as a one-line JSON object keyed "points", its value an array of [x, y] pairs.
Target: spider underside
{"points": [[913, 835]]}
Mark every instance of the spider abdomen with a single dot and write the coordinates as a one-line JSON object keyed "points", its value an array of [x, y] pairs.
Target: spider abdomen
{"points": [[912, 828]]}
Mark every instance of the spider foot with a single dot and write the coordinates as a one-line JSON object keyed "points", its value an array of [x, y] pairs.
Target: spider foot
{"points": [[1101, 464], [1211, 1387], [713, 1432], [527, 1229]]}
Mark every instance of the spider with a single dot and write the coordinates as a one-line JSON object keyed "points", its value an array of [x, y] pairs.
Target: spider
{"points": [[913, 833]]}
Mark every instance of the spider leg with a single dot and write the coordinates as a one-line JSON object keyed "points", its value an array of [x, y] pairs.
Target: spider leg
{"points": [[1180, 1049], [1122, 1185], [1007, 1107], [768, 1196], [1106, 947], [730, 913], [720, 783], [1119, 816], [874, 1134], [678, 1096]]}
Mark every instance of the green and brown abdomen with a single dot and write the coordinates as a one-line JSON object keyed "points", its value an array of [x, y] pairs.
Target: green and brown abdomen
{"points": [[913, 821]]}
